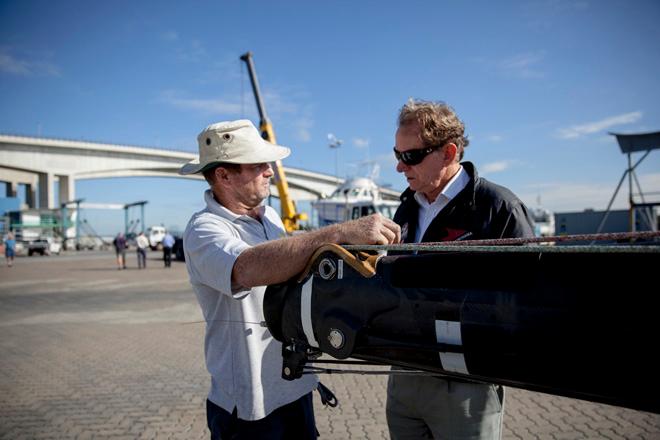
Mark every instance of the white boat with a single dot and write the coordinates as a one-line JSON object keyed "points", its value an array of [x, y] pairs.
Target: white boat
{"points": [[544, 222], [357, 197]]}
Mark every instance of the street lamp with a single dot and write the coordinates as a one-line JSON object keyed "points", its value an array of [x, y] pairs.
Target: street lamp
{"points": [[334, 144]]}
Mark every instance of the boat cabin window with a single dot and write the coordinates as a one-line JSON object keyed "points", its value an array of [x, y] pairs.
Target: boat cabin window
{"points": [[362, 211], [541, 216], [387, 211]]}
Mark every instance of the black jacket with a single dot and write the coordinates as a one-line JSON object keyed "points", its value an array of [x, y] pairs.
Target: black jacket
{"points": [[481, 210]]}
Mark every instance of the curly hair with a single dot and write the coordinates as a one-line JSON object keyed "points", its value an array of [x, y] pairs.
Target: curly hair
{"points": [[438, 123]]}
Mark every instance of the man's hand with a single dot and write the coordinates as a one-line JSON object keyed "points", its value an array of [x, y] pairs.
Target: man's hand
{"points": [[373, 229]]}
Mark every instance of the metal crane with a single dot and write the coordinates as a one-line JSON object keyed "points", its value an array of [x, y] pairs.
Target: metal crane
{"points": [[290, 217]]}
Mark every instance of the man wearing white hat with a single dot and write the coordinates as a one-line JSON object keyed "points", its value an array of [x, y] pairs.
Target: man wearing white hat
{"points": [[234, 248]]}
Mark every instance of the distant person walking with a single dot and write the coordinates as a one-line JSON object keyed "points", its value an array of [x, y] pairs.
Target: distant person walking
{"points": [[120, 249], [10, 249], [142, 243], [168, 243]]}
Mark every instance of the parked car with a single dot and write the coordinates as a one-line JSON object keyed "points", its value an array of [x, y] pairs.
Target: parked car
{"points": [[155, 235], [54, 246], [44, 246], [39, 246], [177, 249]]}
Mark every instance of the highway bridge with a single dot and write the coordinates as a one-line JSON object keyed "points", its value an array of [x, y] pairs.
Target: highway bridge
{"points": [[40, 162]]}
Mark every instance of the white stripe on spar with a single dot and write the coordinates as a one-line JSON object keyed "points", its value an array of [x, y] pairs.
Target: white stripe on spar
{"points": [[306, 312], [449, 332]]}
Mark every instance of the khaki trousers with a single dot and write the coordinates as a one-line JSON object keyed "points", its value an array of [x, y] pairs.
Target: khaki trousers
{"points": [[428, 407]]}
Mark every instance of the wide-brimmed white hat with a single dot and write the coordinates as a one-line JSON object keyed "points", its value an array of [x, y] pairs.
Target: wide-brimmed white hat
{"points": [[233, 142]]}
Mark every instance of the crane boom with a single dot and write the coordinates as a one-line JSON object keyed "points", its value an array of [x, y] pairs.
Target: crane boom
{"points": [[290, 217]]}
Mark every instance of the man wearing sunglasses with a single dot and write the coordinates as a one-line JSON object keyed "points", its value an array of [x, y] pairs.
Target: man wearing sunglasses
{"points": [[446, 200]]}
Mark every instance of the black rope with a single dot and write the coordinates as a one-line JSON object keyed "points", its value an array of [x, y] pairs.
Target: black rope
{"points": [[314, 370]]}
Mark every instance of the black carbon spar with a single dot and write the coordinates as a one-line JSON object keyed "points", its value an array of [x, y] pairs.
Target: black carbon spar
{"points": [[579, 323]]}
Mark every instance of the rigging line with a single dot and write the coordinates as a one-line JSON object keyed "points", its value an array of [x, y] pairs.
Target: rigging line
{"points": [[507, 249], [343, 362], [312, 370], [612, 236], [262, 323]]}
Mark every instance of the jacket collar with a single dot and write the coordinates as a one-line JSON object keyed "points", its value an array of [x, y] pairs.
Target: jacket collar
{"points": [[408, 196]]}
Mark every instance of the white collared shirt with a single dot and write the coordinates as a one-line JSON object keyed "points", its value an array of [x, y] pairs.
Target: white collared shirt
{"points": [[244, 360], [428, 211]]}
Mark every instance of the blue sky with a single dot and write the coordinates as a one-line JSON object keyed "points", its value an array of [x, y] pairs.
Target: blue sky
{"points": [[537, 83]]}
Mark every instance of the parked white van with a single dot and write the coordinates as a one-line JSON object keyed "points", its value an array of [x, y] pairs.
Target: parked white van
{"points": [[155, 235]]}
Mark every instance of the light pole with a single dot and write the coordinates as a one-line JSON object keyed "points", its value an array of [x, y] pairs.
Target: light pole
{"points": [[334, 144]]}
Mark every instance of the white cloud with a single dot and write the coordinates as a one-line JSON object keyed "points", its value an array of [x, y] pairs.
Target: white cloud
{"points": [[303, 135], [290, 115], [15, 66], [577, 131], [301, 129], [578, 196], [522, 65], [276, 105], [9, 64], [374, 165], [495, 167], [568, 196], [650, 180], [214, 106], [361, 142], [185, 50], [192, 52]]}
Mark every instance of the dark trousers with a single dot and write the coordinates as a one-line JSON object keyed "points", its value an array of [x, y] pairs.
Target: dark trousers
{"points": [[167, 256], [142, 258], [292, 421]]}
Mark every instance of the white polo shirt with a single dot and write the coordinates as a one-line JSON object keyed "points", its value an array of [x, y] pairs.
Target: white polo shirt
{"points": [[244, 360]]}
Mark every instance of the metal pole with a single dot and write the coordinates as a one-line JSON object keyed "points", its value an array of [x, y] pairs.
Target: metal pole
{"points": [[142, 211], [631, 213], [609, 205], [78, 224], [63, 214], [607, 211], [646, 213]]}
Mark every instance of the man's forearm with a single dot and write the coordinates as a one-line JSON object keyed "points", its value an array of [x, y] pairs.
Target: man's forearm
{"points": [[279, 260]]}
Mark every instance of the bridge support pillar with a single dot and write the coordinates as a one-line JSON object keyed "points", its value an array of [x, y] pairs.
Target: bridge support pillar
{"points": [[15, 178], [12, 189], [67, 191], [46, 196], [31, 195]]}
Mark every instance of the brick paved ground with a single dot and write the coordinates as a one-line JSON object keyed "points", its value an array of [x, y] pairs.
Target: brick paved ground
{"points": [[87, 351]]}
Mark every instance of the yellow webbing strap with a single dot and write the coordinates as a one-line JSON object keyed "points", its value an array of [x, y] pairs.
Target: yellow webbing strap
{"points": [[362, 262]]}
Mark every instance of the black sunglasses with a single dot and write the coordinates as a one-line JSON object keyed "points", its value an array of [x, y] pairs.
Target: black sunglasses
{"points": [[414, 157]]}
